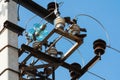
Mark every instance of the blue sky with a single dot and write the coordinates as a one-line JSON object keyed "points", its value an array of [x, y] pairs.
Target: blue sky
{"points": [[108, 13]]}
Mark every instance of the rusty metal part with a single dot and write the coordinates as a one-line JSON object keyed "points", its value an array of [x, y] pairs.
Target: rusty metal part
{"points": [[89, 65], [49, 59], [24, 69], [13, 27], [45, 57]]}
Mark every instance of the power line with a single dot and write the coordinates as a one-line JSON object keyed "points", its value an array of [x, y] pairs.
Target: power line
{"points": [[96, 75], [113, 48], [102, 26]]}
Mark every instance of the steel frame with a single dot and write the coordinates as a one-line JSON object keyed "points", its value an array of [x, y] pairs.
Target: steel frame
{"points": [[42, 12]]}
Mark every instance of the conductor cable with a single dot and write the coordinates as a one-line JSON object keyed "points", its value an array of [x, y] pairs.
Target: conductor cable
{"points": [[96, 75], [113, 48], [101, 25]]}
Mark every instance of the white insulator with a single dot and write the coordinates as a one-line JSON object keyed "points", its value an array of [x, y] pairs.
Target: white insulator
{"points": [[59, 22]]}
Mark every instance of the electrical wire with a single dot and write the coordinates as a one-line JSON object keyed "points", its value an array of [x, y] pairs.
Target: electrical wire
{"points": [[18, 11], [26, 23], [113, 48], [46, 16], [61, 3], [106, 33], [96, 75], [30, 19]]}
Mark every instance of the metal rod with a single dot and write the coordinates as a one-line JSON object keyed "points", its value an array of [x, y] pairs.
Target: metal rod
{"points": [[68, 53], [53, 73], [26, 59]]}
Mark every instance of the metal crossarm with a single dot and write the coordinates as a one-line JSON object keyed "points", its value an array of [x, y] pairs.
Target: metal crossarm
{"points": [[37, 9]]}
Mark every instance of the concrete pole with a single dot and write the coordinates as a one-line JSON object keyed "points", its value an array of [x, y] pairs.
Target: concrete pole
{"points": [[8, 54]]}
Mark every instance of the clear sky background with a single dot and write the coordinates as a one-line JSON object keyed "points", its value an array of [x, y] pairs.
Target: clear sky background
{"points": [[106, 11]]}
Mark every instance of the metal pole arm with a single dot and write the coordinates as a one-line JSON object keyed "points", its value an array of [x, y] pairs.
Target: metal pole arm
{"points": [[37, 9], [89, 65]]}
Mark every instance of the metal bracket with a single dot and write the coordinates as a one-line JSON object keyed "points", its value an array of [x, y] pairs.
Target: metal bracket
{"points": [[13, 27]]}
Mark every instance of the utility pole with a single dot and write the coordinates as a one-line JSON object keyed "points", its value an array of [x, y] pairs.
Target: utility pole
{"points": [[8, 41]]}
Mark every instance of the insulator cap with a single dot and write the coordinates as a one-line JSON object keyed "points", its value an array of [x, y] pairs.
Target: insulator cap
{"points": [[99, 46], [51, 6], [73, 74]]}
